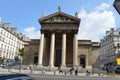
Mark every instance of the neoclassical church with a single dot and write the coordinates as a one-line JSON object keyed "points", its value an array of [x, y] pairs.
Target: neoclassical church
{"points": [[59, 44]]}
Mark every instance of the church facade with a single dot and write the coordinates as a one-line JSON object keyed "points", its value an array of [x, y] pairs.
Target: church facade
{"points": [[59, 44]]}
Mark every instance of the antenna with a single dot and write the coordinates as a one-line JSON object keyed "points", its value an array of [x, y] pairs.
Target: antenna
{"points": [[43, 14]]}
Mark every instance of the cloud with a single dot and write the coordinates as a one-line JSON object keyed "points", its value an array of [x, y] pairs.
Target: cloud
{"points": [[94, 24], [103, 6], [92, 27], [32, 33]]}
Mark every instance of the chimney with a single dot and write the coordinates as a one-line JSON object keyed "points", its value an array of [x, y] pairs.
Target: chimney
{"points": [[112, 29], [6, 25], [14, 30]]}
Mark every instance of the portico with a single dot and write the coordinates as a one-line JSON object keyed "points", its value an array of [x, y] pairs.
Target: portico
{"points": [[59, 40]]}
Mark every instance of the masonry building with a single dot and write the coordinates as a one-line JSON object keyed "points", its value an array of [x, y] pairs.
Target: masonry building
{"points": [[59, 44]]}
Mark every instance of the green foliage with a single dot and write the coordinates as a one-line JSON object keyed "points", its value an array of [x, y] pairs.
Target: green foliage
{"points": [[21, 52]]}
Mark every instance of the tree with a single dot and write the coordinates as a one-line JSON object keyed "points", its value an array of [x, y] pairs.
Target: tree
{"points": [[21, 54]]}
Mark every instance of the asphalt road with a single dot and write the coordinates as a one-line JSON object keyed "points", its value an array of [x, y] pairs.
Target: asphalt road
{"points": [[69, 77]]}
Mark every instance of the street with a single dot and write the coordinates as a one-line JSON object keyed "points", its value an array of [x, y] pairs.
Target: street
{"points": [[69, 77]]}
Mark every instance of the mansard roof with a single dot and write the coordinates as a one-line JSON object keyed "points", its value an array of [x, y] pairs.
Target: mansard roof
{"points": [[59, 17]]}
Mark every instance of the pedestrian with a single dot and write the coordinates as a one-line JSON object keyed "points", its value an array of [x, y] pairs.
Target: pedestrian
{"points": [[107, 70], [72, 71], [99, 74], [60, 70], [43, 71], [87, 72], [76, 72], [31, 68]]}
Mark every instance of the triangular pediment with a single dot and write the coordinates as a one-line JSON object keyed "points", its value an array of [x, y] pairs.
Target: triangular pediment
{"points": [[59, 17]]}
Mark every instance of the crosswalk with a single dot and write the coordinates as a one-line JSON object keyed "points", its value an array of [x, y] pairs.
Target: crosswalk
{"points": [[4, 71]]}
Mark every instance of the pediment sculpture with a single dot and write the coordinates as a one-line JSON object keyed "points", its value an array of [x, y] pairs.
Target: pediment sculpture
{"points": [[59, 19]]}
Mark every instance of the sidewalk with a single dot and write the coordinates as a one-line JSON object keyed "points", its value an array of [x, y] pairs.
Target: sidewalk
{"points": [[9, 71], [57, 73]]}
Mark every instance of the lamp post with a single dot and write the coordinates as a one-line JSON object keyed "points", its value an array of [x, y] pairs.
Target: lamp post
{"points": [[21, 53], [116, 5], [32, 56]]}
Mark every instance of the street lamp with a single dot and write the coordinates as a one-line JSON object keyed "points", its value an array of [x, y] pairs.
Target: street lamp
{"points": [[116, 5]]}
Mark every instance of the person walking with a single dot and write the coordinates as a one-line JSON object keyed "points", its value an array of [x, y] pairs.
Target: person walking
{"points": [[76, 72]]}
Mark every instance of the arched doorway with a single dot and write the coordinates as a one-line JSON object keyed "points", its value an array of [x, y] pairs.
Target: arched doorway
{"points": [[83, 61], [36, 58]]}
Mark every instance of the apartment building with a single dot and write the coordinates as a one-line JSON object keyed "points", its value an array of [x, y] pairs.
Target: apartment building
{"points": [[10, 41], [110, 47]]}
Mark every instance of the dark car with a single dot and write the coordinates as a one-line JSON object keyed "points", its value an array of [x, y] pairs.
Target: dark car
{"points": [[15, 77], [117, 70]]}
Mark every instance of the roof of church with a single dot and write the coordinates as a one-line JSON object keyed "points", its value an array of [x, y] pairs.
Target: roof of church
{"points": [[59, 13]]}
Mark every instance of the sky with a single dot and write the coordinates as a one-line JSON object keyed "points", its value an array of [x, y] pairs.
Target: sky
{"points": [[97, 16]]}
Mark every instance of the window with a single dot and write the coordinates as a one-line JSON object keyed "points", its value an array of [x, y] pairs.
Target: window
{"points": [[118, 45], [0, 38], [3, 39], [5, 47], [8, 48], [1, 31], [7, 35], [0, 51], [1, 46], [4, 33]]}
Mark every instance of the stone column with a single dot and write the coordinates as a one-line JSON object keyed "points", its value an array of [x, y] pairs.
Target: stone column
{"points": [[52, 48], [40, 57], [75, 50], [63, 64]]}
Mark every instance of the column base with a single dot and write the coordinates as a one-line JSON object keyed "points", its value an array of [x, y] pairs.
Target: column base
{"points": [[51, 67], [63, 66], [89, 67], [40, 65]]}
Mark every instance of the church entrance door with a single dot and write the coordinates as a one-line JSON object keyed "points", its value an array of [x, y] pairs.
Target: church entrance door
{"points": [[35, 59], [58, 58], [82, 62]]}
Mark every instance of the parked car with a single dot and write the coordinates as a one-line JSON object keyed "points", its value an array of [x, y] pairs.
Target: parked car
{"points": [[15, 77], [10, 63], [117, 69]]}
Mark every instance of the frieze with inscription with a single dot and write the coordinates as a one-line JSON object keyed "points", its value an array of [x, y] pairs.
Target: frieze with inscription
{"points": [[60, 26]]}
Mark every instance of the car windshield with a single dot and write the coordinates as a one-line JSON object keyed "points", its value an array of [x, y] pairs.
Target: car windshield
{"points": [[20, 78], [118, 68], [15, 77]]}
